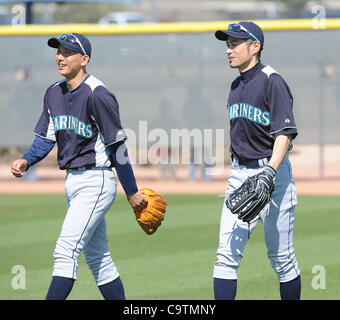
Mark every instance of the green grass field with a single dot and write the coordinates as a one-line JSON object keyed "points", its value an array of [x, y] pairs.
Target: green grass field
{"points": [[174, 263]]}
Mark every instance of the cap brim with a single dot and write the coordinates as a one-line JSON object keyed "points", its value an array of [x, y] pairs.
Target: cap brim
{"points": [[223, 35], [53, 42]]}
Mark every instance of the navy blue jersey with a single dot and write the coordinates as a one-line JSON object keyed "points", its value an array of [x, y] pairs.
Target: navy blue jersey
{"points": [[260, 107], [83, 122]]}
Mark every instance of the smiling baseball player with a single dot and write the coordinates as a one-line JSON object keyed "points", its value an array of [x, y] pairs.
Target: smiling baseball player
{"points": [[82, 116], [261, 130]]}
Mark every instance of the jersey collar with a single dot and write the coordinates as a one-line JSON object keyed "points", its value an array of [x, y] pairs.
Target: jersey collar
{"points": [[251, 72], [74, 90]]}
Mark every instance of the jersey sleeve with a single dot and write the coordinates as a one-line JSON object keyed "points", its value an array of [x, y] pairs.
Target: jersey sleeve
{"points": [[104, 110], [123, 167], [280, 101], [44, 127], [39, 149]]}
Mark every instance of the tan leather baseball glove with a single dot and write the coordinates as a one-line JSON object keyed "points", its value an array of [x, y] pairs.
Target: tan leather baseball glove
{"points": [[152, 216]]}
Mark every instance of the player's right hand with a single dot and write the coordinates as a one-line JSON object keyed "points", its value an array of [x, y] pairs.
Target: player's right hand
{"points": [[137, 201], [18, 167]]}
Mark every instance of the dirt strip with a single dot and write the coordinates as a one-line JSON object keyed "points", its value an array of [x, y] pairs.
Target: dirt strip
{"points": [[305, 163], [304, 186]]}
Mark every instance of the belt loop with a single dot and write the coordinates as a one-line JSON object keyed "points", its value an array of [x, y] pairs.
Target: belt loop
{"points": [[234, 160]]}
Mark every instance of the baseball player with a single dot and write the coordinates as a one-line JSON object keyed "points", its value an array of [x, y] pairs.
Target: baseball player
{"points": [[82, 116], [261, 130]]}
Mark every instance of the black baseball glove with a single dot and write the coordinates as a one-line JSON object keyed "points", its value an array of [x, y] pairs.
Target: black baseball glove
{"points": [[252, 196]]}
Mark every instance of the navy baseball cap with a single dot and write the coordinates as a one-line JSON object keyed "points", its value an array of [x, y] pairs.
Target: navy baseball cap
{"points": [[242, 30], [72, 41]]}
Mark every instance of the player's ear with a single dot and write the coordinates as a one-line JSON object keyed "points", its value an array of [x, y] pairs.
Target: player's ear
{"points": [[85, 60], [256, 47]]}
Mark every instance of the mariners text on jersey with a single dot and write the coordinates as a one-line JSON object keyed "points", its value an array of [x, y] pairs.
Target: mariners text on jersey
{"points": [[252, 113], [68, 122]]}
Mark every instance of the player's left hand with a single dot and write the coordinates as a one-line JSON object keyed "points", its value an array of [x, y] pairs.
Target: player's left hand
{"points": [[266, 180], [253, 195], [137, 201]]}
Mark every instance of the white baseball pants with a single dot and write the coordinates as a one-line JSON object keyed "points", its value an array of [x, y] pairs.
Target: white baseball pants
{"points": [[90, 194], [278, 221]]}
